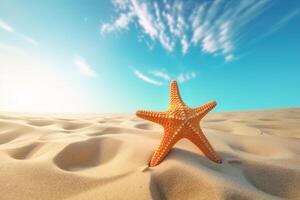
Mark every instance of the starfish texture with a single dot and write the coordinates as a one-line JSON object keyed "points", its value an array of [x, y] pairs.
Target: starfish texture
{"points": [[179, 122]]}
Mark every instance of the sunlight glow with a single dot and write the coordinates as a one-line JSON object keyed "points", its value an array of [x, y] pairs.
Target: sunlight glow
{"points": [[29, 85]]}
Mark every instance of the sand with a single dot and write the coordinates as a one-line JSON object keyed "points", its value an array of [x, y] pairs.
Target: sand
{"points": [[72, 157]]}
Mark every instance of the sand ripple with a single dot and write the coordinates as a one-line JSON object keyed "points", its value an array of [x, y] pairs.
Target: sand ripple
{"points": [[106, 156]]}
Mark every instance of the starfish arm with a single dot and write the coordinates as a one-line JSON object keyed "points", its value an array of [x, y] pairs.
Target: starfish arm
{"points": [[198, 138], [201, 111], [165, 146], [157, 117], [175, 98]]}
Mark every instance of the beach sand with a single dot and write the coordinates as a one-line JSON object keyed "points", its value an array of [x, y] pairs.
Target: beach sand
{"points": [[105, 156]]}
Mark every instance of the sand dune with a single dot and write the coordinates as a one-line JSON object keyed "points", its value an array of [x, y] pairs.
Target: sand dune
{"points": [[105, 157]]}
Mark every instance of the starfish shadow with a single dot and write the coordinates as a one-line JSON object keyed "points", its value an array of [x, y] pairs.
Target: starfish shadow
{"points": [[195, 159]]}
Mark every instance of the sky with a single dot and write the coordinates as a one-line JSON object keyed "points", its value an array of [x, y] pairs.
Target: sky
{"points": [[119, 56]]}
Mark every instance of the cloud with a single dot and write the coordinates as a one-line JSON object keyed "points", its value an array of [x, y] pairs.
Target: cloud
{"points": [[185, 45], [145, 78], [183, 77], [121, 23], [209, 44], [215, 27], [6, 26], [229, 58], [163, 76], [278, 25], [283, 21], [84, 67], [145, 18]]}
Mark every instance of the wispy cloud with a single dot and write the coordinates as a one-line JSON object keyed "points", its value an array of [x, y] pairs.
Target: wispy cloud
{"points": [[163, 76], [215, 27], [84, 67], [8, 28], [146, 78], [229, 58], [121, 23], [183, 77], [283, 21]]}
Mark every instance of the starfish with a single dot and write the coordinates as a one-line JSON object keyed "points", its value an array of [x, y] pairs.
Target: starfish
{"points": [[179, 122]]}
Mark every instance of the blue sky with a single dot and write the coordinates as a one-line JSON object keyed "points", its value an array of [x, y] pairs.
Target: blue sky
{"points": [[119, 56]]}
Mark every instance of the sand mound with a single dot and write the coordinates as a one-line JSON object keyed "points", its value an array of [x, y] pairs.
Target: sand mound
{"points": [[106, 156]]}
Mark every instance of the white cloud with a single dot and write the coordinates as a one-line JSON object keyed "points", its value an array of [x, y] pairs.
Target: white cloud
{"points": [[229, 58], [161, 74], [283, 21], [145, 18], [224, 38], [170, 22], [120, 3], [123, 20], [197, 35], [183, 77], [6, 26], [197, 15], [145, 78], [164, 76], [84, 67], [215, 27], [209, 44], [121, 23], [185, 45]]}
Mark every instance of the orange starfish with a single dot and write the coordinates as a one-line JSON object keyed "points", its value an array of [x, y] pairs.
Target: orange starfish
{"points": [[180, 122]]}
